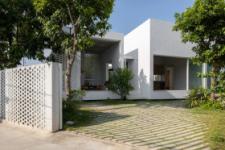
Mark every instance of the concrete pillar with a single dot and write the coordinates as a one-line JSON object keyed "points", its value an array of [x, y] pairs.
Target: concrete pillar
{"points": [[76, 73], [53, 96], [187, 74], [204, 80]]}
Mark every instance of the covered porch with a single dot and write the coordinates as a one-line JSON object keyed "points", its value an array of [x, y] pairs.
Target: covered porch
{"points": [[173, 77], [95, 65], [170, 77]]}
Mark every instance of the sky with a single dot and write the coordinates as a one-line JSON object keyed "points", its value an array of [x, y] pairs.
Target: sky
{"points": [[128, 14]]}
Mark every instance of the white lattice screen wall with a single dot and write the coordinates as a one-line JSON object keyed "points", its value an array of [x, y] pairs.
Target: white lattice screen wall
{"points": [[2, 94], [32, 96]]}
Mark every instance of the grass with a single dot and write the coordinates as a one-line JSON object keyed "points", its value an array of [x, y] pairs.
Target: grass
{"points": [[73, 112], [215, 120]]}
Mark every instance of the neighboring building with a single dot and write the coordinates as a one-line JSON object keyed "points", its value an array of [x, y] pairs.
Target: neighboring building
{"points": [[154, 52]]}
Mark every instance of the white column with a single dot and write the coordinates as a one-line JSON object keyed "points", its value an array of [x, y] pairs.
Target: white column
{"points": [[76, 72], [53, 97], [204, 71], [187, 74]]}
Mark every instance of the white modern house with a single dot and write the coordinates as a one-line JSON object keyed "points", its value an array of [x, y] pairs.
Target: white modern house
{"points": [[154, 52], [158, 58]]}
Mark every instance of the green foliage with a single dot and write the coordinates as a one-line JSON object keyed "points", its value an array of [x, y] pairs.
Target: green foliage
{"points": [[212, 105], [89, 18], [76, 95], [69, 109], [72, 111], [203, 24], [86, 18], [119, 82], [197, 97], [214, 119], [20, 32], [200, 97]]}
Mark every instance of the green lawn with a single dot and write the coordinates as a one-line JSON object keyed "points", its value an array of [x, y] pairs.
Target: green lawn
{"points": [[215, 120]]}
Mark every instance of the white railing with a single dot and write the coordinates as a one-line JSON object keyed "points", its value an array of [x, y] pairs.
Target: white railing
{"points": [[31, 96]]}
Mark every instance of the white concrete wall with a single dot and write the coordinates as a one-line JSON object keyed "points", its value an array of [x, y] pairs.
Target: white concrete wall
{"points": [[112, 55], [169, 94], [166, 42], [153, 37], [137, 47], [100, 95], [32, 96], [76, 73]]}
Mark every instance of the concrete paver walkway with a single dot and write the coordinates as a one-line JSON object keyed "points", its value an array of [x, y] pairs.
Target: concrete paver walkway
{"points": [[13, 138], [129, 126], [153, 125]]}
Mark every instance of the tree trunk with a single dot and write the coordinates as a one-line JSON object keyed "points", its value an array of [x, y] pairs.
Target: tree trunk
{"points": [[69, 64], [214, 81]]}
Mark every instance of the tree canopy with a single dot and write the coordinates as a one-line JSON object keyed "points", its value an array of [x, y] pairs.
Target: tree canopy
{"points": [[20, 32], [203, 24], [80, 19]]}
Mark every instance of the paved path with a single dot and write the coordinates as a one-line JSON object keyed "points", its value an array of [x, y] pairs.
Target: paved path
{"points": [[13, 138], [152, 125]]}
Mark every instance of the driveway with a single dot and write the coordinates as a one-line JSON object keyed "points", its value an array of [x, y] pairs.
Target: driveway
{"points": [[146, 124], [118, 126], [13, 138]]}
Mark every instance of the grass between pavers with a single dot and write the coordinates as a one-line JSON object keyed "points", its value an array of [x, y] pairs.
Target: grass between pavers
{"points": [[215, 121], [85, 116]]}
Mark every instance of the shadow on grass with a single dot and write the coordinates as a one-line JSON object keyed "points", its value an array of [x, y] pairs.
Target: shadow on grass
{"points": [[137, 103], [86, 113], [87, 117]]}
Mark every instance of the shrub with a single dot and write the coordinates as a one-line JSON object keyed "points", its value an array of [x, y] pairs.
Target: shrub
{"points": [[69, 108], [71, 105], [119, 82], [76, 95], [198, 96], [213, 105], [201, 97]]}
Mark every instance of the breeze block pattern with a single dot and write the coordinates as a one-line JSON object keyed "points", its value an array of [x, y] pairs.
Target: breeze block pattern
{"points": [[2, 94], [31, 96]]}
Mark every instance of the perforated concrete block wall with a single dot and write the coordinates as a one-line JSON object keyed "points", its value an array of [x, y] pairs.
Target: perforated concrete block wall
{"points": [[31, 96]]}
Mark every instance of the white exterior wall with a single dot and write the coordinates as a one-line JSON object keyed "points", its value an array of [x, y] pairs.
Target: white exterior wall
{"points": [[153, 37], [166, 42], [114, 55], [100, 95], [137, 47], [76, 73], [31, 96]]}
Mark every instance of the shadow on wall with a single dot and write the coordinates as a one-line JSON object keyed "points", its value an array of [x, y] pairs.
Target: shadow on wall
{"points": [[140, 81], [144, 87]]}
